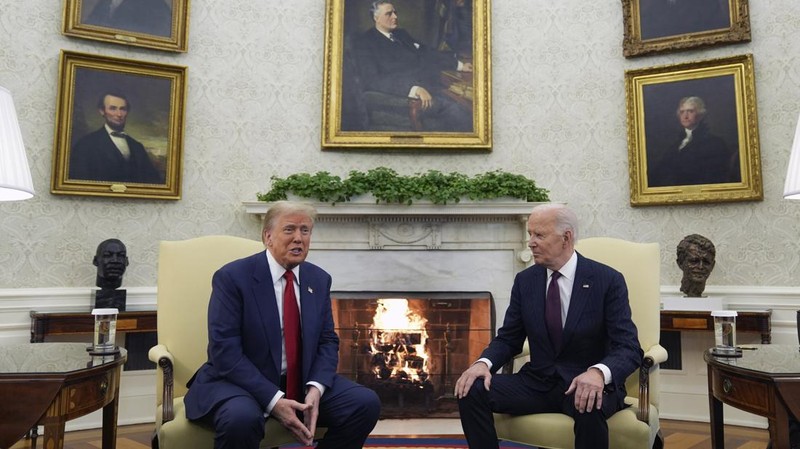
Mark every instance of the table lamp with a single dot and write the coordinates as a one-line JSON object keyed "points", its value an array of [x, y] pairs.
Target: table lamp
{"points": [[791, 190], [15, 175]]}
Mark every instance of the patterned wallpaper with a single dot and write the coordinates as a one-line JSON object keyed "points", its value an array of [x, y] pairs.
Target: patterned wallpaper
{"points": [[253, 110]]}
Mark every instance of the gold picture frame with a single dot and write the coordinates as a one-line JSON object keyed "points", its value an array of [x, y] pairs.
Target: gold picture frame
{"points": [[119, 128], [658, 26], [363, 107], [157, 24], [721, 159]]}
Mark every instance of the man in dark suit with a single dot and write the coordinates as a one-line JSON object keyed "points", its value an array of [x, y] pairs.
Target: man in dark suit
{"points": [[109, 154], [140, 16], [578, 369], [695, 156], [391, 61], [250, 363]]}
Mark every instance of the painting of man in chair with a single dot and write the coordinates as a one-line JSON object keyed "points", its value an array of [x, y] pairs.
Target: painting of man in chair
{"points": [[414, 75]]}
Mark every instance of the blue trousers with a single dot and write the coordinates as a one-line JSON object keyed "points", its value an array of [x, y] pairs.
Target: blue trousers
{"points": [[348, 410]]}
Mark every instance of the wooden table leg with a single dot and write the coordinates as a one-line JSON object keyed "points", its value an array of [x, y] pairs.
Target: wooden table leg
{"points": [[716, 421], [54, 434], [110, 412], [779, 428]]}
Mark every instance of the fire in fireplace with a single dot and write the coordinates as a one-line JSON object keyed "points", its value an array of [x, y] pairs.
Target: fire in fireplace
{"points": [[411, 347]]}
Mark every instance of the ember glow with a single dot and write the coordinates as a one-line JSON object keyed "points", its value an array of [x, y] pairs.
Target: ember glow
{"points": [[397, 341]]}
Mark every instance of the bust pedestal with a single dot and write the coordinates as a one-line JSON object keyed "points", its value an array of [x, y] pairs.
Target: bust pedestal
{"points": [[704, 304], [107, 298]]}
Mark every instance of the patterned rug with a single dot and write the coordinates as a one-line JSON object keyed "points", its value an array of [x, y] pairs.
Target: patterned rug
{"points": [[421, 443]]}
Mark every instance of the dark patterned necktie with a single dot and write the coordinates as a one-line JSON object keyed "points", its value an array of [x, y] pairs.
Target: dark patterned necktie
{"points": [[552, 311], [293, 340]]}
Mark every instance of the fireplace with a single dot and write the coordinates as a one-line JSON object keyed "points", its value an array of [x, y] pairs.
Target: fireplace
{"points": [[410, 347]]}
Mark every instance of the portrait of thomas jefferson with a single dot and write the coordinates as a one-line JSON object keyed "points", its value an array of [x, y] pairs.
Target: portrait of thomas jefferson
{"points": [[691, 132]]}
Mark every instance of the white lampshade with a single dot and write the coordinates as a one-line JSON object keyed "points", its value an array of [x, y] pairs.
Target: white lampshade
{"points": [[791, 190], [15, 175]]}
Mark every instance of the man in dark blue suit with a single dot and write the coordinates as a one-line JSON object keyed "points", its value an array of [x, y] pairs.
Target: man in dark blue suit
{"points": [[243, 382], [391, 61], [580, 356], [110, 154]]}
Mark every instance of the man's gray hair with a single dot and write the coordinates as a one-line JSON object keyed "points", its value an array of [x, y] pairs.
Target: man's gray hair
{"points": [[698, 103], [566, 219], [281, 208], [376, 5]]}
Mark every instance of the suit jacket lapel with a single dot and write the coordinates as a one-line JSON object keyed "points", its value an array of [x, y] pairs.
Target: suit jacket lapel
{"points": [[267, 303], [308, 317], [581, 295]]}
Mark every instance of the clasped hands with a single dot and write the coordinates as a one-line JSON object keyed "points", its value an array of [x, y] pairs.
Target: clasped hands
{"points": [[588, 387], [286, 412]]}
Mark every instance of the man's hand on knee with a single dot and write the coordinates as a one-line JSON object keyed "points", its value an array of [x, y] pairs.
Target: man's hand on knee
{"points": [[588, 389], [468, 377]]}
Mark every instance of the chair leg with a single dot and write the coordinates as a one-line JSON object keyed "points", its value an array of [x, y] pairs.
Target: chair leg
{"points": [[659, 441]]}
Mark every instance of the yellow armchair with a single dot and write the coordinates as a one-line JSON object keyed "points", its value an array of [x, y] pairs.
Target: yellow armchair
{"points": [[185, 269], [636, 427]]}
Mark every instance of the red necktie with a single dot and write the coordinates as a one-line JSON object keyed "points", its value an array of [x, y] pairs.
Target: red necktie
{"points": [[293, 340], [552, 311]]}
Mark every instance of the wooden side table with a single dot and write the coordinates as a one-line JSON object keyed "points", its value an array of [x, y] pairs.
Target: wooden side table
{"points": [[764, 381], [50, 383]]}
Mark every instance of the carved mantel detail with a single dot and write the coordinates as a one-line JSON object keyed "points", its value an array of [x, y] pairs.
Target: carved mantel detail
{"points": [[420, 226]]}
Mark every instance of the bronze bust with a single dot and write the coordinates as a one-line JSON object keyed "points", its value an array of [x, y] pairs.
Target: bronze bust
{"points": [[111, 260], [696, 258]]}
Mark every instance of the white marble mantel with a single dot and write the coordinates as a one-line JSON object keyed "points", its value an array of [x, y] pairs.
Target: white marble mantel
{"points": [[425, 226]]}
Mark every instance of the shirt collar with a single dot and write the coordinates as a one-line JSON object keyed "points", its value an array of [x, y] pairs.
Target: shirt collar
{"points": [[276, 270], [568, 269], [388, 35], [109, 130]]}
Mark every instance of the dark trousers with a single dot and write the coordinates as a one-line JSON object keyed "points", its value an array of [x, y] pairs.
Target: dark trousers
{"points": [[446, 115], [518, 394], [348, 410]]}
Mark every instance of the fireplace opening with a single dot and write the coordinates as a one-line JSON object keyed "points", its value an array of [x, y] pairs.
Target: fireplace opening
{"points": [[410, 347]]}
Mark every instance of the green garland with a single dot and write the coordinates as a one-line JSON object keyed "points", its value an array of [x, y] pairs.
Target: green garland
{"points": [[389, 187]]}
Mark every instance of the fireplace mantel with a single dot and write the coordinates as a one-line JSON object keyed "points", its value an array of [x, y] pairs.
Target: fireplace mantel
{"points": [[506, 209], [484, 225]]}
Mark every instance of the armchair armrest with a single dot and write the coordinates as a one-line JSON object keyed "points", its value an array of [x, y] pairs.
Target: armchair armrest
{"points": [[161, 355], [655, 355]]}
